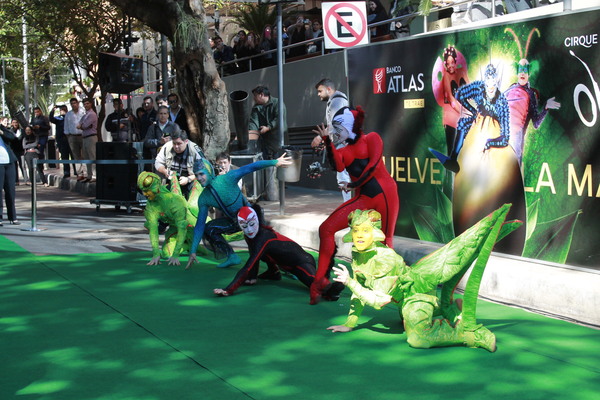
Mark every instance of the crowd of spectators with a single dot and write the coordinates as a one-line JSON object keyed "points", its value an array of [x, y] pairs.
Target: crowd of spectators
{"points": [[248, 51], [254, 50]]}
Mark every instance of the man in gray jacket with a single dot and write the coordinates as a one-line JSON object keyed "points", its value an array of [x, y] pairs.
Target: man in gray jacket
{"points": [[177, 157], [159, 132], [336, 103]]}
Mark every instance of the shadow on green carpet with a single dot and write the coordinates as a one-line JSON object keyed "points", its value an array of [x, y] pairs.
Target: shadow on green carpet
{"points": [[108, 326]]}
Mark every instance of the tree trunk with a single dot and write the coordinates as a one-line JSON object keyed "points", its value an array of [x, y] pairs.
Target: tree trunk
{"points": [[200, 88]]}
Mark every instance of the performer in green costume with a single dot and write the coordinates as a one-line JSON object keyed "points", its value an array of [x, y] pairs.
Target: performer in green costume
{"points": [[430, 320], [172, 208]]}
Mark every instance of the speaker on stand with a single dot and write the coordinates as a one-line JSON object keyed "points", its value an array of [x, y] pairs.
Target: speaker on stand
{"points": [[117, 183], [119, 73]]}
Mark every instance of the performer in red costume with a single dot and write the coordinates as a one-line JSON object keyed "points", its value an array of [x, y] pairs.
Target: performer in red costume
{"points": [[276, 250], [373, 187]]}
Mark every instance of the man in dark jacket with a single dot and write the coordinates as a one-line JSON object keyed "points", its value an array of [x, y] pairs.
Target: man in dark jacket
{"points": [[177, 113], [160, 132], [117, 122], [62, 142], [41, 128]]}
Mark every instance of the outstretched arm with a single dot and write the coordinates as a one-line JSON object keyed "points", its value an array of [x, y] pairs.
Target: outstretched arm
{"points": [[537, 117], [342, 275], [256, 252], [242, 171], [151, 224], [334, 156], [239, 173], [198, 233]]}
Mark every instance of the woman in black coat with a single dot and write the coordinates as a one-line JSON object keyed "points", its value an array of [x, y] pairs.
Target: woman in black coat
{"points": [[377, 13], [8, 176]]}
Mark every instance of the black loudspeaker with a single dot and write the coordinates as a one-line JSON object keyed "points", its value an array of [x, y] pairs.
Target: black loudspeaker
{"points": [[117, 182], [22, 120], [119, 73]]}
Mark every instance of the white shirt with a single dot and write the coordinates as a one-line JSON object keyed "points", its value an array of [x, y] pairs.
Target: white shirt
{"points": [[174, 116], [72, 120], [4, 157]]}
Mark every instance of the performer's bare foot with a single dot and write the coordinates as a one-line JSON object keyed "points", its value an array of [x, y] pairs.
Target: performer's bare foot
{"points": [[316, 290], [339, 328], [221, 292]]}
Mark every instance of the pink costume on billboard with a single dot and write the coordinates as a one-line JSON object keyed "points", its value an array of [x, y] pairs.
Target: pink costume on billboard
{"points": [[523, 101], [448, 75]]}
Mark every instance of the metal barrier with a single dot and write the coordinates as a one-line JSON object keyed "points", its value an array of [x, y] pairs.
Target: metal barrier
{"points": [[32, 179], [402, 18]]}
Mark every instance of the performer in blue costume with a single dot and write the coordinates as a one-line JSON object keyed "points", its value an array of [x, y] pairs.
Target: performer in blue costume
{"points": [[482, 99], [223, 193]]}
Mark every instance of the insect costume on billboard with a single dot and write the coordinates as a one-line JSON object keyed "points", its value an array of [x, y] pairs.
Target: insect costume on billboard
{"points": [[488, 173], [523, 100]]}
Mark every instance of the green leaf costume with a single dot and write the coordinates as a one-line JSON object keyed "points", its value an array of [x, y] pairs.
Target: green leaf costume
{"points": [[430, 320], [172, 208]]}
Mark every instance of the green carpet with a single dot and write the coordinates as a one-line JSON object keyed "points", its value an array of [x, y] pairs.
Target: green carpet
{"points": [[106, 326]]}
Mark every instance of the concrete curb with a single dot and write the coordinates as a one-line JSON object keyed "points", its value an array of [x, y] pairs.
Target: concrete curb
{"points": [[556, 290]]}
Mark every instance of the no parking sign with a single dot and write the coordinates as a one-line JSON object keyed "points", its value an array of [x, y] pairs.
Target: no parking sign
{"points": [[344, 24]]}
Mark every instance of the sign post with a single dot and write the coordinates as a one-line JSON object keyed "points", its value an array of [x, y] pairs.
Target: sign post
{"points": [[345, 24]]}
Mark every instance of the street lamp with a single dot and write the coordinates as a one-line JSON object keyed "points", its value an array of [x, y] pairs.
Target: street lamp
{"points": [[278, 3], [4, 59]]}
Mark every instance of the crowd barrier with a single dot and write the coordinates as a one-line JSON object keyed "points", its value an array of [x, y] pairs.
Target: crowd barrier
{"points": [[33, 171]]}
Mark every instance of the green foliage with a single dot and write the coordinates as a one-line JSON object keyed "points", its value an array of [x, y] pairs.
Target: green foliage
{"points": [[190, 32], [551, 240], [215, 3], [254, 18], [425, 6], [433, 222], [61, 34]]}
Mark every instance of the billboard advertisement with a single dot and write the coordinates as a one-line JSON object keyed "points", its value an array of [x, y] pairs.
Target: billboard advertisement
{"points": [[478, 118]]}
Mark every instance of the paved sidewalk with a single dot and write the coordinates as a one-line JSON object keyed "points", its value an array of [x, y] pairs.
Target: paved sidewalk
{"points": [[70, 224]]}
